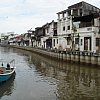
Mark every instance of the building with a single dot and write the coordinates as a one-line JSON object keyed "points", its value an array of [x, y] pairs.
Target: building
{"points": [[4, 39], [50, 31], [79, 27], [44, 36]]}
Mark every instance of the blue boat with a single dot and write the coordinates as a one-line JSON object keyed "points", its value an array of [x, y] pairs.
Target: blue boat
{"points": [[6, 72]]}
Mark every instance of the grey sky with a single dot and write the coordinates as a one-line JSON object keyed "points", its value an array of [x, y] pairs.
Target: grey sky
{"points": [[21, 15]]}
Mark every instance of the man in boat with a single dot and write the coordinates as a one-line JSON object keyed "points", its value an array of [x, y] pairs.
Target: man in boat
{"points": [[2, 64], [8, 66], [2, 70]]}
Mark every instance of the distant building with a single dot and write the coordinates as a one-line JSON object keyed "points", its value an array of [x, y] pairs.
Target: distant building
{"points": [[50, 31], [4, 39]]}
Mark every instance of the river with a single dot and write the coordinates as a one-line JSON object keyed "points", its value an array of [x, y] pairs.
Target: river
{"points": [[40, 78]]}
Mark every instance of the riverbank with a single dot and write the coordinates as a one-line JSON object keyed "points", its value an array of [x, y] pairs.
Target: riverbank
{"points": [[87, 58]]}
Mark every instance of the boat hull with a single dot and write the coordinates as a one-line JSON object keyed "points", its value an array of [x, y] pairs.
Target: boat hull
{"points": [[6, 76]]}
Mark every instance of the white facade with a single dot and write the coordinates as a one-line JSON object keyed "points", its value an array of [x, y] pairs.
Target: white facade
{"points": [[64, 29], [43, 42], [47, 40], [49, 29], [85, 35]]}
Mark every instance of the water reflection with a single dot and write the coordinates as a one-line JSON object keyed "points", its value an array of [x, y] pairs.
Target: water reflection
{"points": [[74, 82], [70, 81], [7, 87]]}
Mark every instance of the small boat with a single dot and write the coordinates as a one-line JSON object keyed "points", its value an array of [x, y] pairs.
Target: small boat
{"points": [[7, 71]]}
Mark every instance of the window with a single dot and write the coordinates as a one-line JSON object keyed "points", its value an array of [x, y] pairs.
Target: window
{"points": [[68, 27], [81, 41], [47, 30], [64, 28], [75, 12], [99, 31], [57, 41], [76, 40], [54, 42], [99, 25], [97, 41], [63, 15], [80, 12], [68, 40]]}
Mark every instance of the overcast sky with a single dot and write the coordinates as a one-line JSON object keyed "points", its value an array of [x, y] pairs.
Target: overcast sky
{"points": [[21, 15]]}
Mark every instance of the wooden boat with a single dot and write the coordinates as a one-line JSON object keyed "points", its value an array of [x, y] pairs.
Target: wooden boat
{"points": [[6, 72]]}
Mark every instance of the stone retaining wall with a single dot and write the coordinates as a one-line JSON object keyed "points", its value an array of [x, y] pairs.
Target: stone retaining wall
{"points": [[65, 56]]}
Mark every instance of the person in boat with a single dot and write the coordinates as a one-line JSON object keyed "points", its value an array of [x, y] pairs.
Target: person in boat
{"points": [[2, 70], [2, 64], [8, 66]]}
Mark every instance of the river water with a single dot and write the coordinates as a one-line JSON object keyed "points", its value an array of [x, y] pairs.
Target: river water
{"points": [[40, 78]]}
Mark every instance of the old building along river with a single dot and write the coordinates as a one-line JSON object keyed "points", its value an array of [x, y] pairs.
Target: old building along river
{"points": [[40, 78]]}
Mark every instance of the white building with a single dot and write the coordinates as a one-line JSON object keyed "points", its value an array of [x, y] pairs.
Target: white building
{"points": [[48, 39], [4, 38], [78, 28]]}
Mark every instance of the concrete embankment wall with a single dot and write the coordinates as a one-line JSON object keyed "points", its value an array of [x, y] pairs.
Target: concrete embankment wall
{"points": [[76, 57]]}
